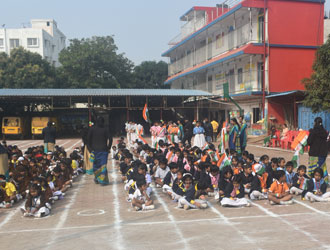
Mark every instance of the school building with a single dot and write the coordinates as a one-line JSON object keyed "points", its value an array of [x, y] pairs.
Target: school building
{"points": [[261, 48]]}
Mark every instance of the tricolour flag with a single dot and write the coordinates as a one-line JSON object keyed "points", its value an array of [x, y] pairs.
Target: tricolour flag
{"points": [[145, 114], [298, 145]]}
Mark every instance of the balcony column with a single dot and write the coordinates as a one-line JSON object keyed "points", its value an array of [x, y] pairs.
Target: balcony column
{"points": [[207, 45], [250, 24]]}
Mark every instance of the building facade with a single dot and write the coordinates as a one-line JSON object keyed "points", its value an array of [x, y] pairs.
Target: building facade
{"points": [[259, 47], [43, 37]]}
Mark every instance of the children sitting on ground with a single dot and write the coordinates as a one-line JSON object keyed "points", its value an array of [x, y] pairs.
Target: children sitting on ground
{"points": [[299, 181], [279, 192], [316, 188], [141, 201], [234, 194]]}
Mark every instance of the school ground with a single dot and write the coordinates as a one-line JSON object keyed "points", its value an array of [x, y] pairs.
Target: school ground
{"points": [[96, 217]]}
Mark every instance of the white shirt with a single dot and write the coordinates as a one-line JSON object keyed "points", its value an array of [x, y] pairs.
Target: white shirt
{"points": [[161, 173], [138, 195]]}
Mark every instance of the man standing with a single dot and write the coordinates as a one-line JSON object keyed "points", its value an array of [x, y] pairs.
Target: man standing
{"points": [[208, 130], [100, 141], [215, 127], [188, 131], [49, 135]]}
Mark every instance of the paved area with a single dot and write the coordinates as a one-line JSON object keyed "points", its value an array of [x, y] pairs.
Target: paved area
{"points": [[96, 217]]}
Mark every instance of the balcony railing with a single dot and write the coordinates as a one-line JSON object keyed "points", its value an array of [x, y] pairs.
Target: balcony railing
{"points": [[191, 27], [221, 44], [249, 80]]}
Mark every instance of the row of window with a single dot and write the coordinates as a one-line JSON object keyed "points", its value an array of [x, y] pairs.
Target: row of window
{"points": [[14, 43]]}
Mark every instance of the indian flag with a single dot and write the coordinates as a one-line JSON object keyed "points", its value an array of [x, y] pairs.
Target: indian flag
{"points": [[295, 159], [145, 114], [222, 144], [298, 145], [300, 141]]}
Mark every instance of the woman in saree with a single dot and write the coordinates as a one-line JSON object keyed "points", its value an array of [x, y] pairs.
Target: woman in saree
{"points": [[100, 142], [234, 139], [318, 151]]}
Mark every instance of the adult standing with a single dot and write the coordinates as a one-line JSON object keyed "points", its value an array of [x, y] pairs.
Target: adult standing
{"points": [[234, 141], [187, 132], [100, 142], [243, 133], [318, 151], [199, 139], [215, 126], [49, 135], [208, 130]]}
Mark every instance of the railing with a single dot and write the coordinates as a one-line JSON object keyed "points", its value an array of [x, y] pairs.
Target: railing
{"points": [[225, 6], [221, 44], [187, 29], [247, 81]]}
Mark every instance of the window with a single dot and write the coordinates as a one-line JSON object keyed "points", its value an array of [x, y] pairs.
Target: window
{"points": [[240, 76], [48, 23], [1, 42], [32, 42], [256, 115], [13, 43]]}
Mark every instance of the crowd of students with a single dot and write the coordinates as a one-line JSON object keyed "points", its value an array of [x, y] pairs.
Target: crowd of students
{"points": [[37, 179], [191, 176]]}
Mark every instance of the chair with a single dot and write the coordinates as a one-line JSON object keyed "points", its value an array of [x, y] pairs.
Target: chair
{"points": [[286, 140], [294, 134], [276, 140]]}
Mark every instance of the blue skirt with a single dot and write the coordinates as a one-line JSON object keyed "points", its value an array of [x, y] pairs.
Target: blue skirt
{"points": [[100, 167]]}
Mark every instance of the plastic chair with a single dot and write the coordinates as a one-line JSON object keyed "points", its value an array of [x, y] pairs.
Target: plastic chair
{"points": [[276, 141], [294, 134], [288, 138]]}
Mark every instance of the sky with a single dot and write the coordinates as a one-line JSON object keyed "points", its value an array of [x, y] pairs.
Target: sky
{"points": [[141, 28]]}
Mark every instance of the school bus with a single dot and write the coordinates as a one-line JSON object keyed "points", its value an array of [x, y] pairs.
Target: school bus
{"points": [[15, 127], [39, 123]]}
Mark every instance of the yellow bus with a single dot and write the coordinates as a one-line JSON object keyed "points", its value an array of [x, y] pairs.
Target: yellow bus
{"points": [[14, 126], [38, 123]]}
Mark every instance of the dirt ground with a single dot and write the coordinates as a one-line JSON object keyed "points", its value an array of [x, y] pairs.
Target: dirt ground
{"points": [[96, 217]]}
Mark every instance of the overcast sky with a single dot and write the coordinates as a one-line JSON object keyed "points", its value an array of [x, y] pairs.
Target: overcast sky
{"points": [[141, 28]]}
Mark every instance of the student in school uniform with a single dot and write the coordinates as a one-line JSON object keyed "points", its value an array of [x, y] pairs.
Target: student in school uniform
{"points": [[260, 183], [299, 181], [289, 173], [247, 177], [188, 200], [9, 190], [226, 178], [169, 178], [161, 172], [141, 201], [35, 205], [279, 192], [234, 194], [178, 186], [316, 188]]}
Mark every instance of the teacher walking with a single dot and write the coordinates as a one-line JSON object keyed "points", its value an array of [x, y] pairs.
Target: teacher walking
{"points": [[100, 142], [318, 151]]}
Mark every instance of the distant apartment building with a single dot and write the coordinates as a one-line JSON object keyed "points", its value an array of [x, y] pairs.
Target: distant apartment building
{"points": [[43, 37], [261, 48]]}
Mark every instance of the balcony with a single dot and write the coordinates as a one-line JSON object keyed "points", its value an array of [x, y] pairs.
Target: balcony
{"points": [[220, 45], [243, 82]]}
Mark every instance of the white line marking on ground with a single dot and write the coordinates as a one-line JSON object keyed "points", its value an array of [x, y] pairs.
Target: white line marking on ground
{"points": [[119, 237], [226, 220], [143, 224], [65, 213], [311, 208], [296, 228], [9, 216], [91, 212], [171, 218]]}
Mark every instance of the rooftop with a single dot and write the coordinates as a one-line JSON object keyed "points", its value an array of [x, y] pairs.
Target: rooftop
{"points": [[100, 92]]}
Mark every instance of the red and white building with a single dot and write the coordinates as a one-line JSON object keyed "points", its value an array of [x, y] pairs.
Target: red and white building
{"points": [[262, 48]]}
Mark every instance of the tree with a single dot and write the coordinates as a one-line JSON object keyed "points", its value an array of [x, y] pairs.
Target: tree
{"points": [[318, 85], [24, 69], [94, 63], [151, 74]]}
